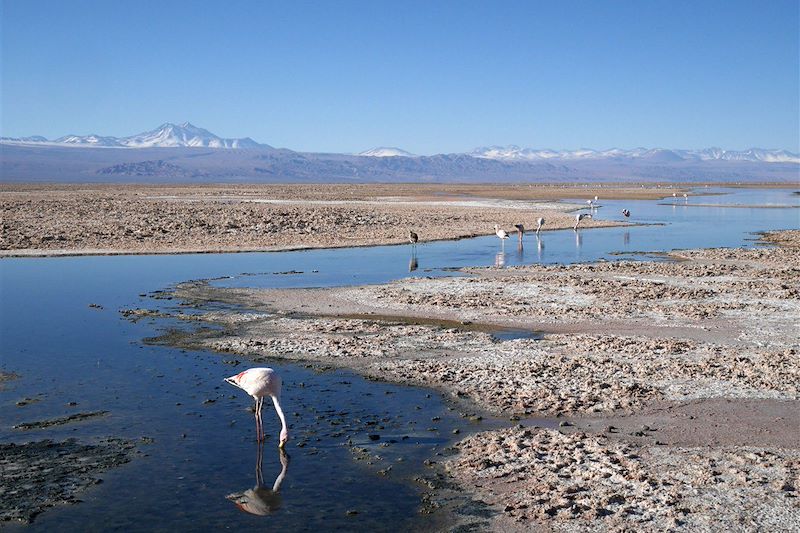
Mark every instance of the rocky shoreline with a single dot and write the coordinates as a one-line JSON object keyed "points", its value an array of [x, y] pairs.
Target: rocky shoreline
{"points": [[710, 332]]}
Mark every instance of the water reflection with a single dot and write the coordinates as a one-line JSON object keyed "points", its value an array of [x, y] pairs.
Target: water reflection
{"points": [[626, 238], [500, 259], [412, 263], [261, 500], [520, 252], [539, 247], [578, 240]]}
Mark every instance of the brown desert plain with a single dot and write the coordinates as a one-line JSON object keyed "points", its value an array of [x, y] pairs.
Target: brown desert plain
{"points": [[675, 382]]}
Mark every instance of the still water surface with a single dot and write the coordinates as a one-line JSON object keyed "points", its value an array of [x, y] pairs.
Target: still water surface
{"points": [[65, 351]]}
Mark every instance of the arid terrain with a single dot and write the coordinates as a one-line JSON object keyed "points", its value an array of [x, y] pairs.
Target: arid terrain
{"points": [[676, 381], [106, 219], [671, 388]]}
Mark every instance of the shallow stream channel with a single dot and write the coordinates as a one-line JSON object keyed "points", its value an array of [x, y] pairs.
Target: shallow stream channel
{"points": [[364, 454]]}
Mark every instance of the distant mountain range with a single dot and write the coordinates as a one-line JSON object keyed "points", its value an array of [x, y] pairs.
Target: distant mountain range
{"points": [[172, 153], [167, 135], [515, 153], [170, 135]]}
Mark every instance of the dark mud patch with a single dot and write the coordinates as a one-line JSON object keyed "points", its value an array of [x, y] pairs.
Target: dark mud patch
{"points": [[510, 334], [447, 506], [663, 257], [77, 417], [38, 475], [6, 376]]}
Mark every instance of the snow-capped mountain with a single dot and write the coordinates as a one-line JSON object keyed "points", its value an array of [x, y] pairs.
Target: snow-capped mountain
{"points": [[24, 140], [186, 134], [515, 153], [167, 135], [387, 151], [88, 140]]}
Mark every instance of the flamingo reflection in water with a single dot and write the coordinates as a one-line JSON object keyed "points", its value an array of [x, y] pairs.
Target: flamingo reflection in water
{"points": [[412, 263], [261, 500], [500, 259], [539, 247]]}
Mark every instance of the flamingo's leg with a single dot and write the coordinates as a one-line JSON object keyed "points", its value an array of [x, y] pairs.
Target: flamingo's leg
{"points": [[260, 420], [255, 414]]}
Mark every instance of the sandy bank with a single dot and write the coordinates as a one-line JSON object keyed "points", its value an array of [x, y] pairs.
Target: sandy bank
{"points": [[128, 219]]}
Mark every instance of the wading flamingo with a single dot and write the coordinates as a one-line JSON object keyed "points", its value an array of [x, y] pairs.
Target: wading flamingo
{"points": [[260, 383], [412, 238], [501, 234], [580, 217], [626, 213], [540, 223], [520, 231]]}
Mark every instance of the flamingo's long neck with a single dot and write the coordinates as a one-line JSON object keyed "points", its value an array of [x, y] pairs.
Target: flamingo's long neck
{"points": [[277, 402], [284, 464]]}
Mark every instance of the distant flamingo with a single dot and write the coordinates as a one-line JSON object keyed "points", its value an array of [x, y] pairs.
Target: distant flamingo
{"points": [[501, 234], [259, 383], [580, 217], [412, 238], [540, 223], [626, 213], [520, 231]]}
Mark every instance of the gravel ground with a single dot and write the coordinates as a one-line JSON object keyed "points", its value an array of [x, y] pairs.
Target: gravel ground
{"points": [[584, 482]]}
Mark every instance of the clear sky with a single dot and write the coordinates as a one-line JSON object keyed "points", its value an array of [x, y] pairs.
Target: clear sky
{"points": [[428, 76]]}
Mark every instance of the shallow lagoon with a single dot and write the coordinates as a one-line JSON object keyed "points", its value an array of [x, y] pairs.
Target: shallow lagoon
{"points": [[202, 451]]}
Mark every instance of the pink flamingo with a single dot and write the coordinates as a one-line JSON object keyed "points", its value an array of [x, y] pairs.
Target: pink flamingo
{"points": [[259, 383], [580, 217]]}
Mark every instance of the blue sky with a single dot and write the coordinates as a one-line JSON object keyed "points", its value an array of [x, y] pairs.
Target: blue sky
{"points": [[429, 77]]}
